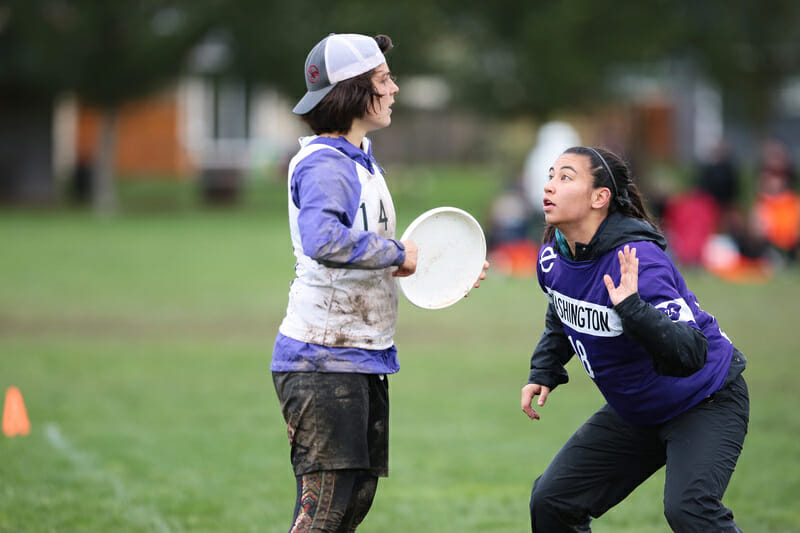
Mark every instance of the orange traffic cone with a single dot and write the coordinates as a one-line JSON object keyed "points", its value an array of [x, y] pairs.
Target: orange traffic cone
{"points": [[15, 417]]}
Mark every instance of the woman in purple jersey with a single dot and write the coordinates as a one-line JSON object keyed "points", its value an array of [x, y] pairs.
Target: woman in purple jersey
{"points": [[671, 378]]}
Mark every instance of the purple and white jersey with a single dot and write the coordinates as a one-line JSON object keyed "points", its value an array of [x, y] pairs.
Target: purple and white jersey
{"points": [[619, 366], [342, 306]]}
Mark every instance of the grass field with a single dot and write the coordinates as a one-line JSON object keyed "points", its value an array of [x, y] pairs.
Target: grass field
{"points": [[141, 345]]}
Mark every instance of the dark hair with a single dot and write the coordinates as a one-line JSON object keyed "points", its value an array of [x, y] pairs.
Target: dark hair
{"points": [[625, 195], [348, 100]]}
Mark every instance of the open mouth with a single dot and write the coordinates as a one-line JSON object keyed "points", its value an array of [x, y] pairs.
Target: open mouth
{"points": [[547, 203]]}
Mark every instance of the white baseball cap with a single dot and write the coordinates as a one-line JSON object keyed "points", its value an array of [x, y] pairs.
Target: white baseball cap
{"points": [[337, 57]]}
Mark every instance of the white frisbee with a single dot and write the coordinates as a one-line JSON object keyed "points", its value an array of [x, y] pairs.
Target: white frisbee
{"points": [[451, 253]]}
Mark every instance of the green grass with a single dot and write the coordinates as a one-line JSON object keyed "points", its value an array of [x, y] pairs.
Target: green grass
{"points": [[141, 344]]}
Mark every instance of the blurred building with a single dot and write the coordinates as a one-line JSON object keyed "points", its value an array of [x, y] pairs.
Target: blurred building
{"points": [[204, 124], [199, 124]]}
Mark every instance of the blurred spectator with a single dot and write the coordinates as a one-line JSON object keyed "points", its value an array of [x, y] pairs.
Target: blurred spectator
{"points": [[80, 181], [511, 249], [509, 216], [777, 206], [745, 232], [719, 177], [689, 220], [742, 248], [741, 255], [776, 159]]}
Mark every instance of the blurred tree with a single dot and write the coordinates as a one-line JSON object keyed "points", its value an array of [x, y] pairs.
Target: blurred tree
{"points": [[542, 57], [126, 50], [748, 47], [30, 78], [501, 57], [107, 53], [534, 58], [269, 40], [539, 58]]}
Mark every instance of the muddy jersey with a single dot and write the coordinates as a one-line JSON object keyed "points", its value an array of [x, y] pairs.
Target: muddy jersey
{"points": [[343, 302], [620, 367]]}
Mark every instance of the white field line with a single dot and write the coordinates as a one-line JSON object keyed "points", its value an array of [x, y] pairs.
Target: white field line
{"points": [[84, 463]]}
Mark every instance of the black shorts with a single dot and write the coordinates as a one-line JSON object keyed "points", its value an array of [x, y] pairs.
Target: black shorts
{"points": [[335, 421]]}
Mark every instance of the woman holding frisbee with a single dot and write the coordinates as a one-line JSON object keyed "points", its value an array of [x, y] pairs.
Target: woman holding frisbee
{"points": [[670, 376], [335, 346]]}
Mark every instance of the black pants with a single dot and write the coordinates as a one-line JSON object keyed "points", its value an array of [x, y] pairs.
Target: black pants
{"points": [[607, 458]]}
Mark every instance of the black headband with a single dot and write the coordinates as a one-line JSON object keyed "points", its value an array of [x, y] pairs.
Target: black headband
{"points": [[608, 169]]}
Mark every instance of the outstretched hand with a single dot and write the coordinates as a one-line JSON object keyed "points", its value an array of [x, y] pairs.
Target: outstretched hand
{"points": [[629, 276], [528, 392]]}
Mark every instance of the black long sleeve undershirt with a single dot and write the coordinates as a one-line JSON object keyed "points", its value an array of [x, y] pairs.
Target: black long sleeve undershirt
{"points": [[552, 352], [677, 349]]}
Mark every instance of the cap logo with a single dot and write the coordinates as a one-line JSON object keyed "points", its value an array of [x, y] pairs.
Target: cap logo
{"points": [[313, 73]]}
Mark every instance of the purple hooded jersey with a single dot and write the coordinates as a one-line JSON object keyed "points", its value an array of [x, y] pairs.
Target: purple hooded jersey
{"points": [[619, 366]]}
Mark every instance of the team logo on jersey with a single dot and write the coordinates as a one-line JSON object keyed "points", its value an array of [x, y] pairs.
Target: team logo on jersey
{"points": [[586, 317], [677, 310], [547, 259], [673, 311]]}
